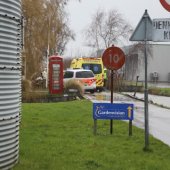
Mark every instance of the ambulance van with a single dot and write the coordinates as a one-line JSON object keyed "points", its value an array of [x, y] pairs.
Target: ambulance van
{"points": [[93, 64]]}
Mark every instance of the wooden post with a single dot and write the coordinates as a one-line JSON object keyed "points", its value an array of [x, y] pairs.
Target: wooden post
{"points": [[95, 127], [130, 127]]}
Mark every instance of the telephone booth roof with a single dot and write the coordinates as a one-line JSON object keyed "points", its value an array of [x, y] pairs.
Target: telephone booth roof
{"points": [[53, 57]]}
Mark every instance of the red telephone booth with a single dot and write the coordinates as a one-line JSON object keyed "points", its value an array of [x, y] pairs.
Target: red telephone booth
{"points": [[55, 74]]}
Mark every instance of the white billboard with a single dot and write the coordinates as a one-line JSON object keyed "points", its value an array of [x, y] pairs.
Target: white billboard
{"points": [[161, 30]]}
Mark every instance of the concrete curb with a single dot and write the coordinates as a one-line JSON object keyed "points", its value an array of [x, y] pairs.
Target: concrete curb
{"points": [[150, 101]]}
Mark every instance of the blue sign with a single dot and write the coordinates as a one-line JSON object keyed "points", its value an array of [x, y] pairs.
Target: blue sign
{"points": [[119, 111]]}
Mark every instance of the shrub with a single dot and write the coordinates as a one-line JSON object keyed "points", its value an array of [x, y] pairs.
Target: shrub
{"points": [[33, 96], [26, 85], [154, 90], [74, 85]]}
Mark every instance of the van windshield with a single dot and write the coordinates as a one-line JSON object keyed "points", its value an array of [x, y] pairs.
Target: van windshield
{"points": [[95, 68]]}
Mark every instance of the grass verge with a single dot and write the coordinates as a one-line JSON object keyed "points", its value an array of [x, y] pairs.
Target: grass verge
{"points": [[59, 136], [159, 91]]}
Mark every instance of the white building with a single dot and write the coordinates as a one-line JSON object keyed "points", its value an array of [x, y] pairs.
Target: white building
{"points": [[158, 64]]}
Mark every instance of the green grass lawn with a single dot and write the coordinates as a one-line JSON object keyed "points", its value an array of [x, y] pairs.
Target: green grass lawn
{"points": [[59, 136]]}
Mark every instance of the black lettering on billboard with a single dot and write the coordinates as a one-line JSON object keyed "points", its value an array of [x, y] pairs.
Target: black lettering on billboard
{"points": [[166, 35]]}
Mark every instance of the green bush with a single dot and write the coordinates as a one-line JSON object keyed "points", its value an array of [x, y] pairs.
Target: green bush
{"points": [[74, 85], [33, 96], [154, 90], [26, 85], [165, 91]]}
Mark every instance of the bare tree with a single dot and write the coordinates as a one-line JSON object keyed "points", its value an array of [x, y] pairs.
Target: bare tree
{"points": [[135, 58], [107, 29]]}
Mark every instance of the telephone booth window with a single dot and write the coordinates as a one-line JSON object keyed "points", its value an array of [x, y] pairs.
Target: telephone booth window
{"points": [[56, 77]]}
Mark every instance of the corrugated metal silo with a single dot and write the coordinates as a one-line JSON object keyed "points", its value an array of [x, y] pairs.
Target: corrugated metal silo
{"points": [[10, 81]]}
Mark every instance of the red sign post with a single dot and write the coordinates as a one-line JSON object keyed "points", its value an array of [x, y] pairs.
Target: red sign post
{"points": [[166, 4], [113, 59]]}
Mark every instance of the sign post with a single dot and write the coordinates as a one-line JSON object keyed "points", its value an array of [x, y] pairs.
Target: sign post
{"points": [[113, 59], [116, 111], [157, 30], [146, 92], [143, 32], [111, 99]]}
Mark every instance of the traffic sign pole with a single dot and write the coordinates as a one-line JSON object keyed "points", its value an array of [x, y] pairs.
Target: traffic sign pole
{"points": [[111, 101], [111, 86], [143, 32], [113, 59], [146, 89]]}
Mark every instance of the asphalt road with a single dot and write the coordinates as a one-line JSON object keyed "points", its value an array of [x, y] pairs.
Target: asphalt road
{"points": [[159, 118]]}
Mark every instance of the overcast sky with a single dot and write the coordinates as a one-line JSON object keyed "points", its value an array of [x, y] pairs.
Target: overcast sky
{"points": [[80, 15]]}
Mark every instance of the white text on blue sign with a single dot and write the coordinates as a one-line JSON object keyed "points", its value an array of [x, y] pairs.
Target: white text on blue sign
{"points": [[119, 111]]}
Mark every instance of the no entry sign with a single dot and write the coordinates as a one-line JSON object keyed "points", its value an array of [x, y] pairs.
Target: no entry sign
{"points": [[113, 58], [166, 4]]}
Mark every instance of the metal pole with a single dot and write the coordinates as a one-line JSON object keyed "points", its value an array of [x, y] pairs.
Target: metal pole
{"points": [[137, 77], [47, 76], [111, 101], [95, 127], [130, 127], [48, 52], [146, 89]]}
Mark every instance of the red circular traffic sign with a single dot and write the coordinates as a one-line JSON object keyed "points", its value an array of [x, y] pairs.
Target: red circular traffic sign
{"points": [[166, 4], [113, 58]]}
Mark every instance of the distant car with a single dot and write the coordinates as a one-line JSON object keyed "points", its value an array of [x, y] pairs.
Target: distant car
{"points": [[86, 77]]}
